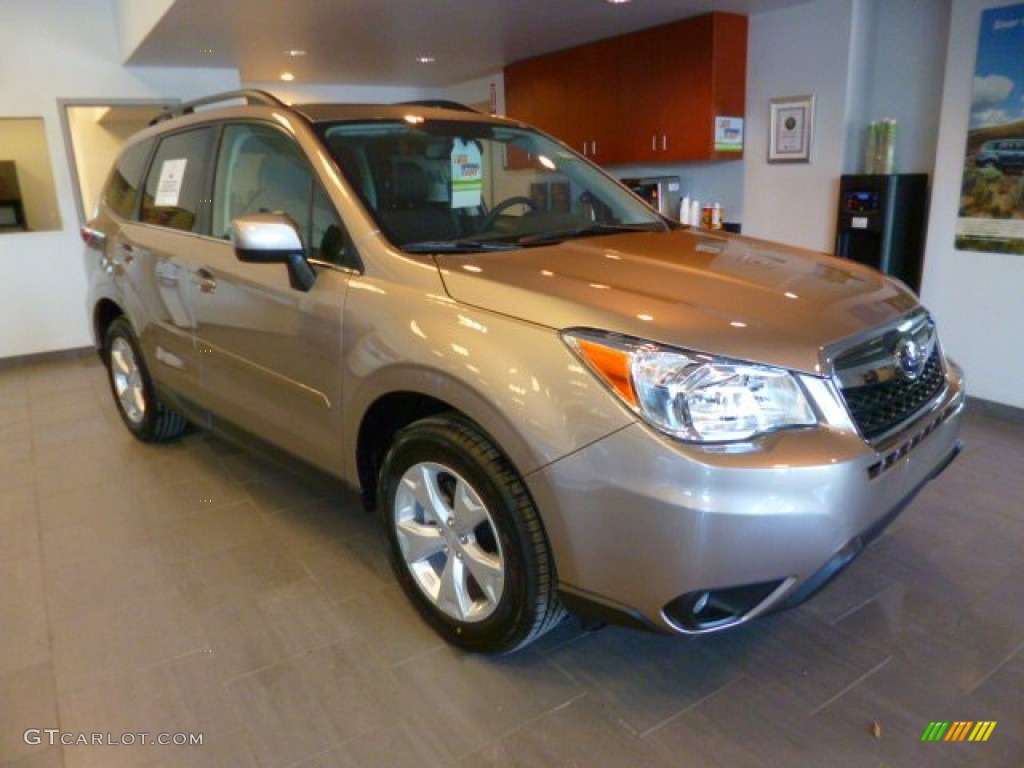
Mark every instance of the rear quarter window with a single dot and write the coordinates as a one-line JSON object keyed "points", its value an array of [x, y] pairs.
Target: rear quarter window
{"points": [[176, 180], [122, 189]]}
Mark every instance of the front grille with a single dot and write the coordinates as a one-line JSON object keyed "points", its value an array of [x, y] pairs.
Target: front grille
{"points": [[878, 408]]}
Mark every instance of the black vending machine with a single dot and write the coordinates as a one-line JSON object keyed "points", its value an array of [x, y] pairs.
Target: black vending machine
{"points": [[881, 223]]}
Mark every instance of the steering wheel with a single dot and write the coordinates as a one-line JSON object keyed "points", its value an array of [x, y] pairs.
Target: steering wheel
{"points": [[500, 208]]}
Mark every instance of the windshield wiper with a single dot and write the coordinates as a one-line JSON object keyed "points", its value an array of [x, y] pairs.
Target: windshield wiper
{"points": [[547, 238], [457, 246]]}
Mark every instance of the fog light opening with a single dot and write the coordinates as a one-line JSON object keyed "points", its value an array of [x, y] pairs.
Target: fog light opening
{"points": [[708, 609]]}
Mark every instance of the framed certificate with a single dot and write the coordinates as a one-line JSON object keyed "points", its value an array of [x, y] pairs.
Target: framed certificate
{"points": [[792, 127]]}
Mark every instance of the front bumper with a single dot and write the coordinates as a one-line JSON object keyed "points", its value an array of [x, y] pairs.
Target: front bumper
{"points": [[647, 531]]}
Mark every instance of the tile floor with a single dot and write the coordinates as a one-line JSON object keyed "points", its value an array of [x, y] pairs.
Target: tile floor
{"points": [[197, 589]]}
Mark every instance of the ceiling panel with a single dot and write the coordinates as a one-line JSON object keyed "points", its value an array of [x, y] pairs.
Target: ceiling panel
{"points": [[379, 41]]}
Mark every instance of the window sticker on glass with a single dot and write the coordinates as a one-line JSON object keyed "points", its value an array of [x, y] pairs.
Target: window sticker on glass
{"points": [[467, 174], [168, 189]]}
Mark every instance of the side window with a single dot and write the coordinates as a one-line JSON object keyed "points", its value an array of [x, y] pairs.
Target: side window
{"points": [[262, 170], [176, 179], [329, 240], [122, 189]]}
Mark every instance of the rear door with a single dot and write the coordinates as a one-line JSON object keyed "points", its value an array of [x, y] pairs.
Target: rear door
{"points": [[271, 354], [154, 254]]}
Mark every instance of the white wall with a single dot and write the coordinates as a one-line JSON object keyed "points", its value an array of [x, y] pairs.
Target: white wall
{"points": [[804, 49], [52, 49], [863, 60], [899, 75], [975, 296], [135, 19]]}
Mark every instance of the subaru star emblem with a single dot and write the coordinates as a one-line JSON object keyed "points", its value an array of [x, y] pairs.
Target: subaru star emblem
{"points": [[910, 358]]}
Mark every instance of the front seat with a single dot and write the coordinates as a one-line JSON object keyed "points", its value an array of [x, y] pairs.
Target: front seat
{"points": [[285, 186], [411, 216]]}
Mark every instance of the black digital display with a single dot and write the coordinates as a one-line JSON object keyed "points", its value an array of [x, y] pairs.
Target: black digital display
{"points": [[862, 201]]}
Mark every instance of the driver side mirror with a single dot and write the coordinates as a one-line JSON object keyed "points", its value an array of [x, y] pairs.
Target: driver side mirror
{"points": [[273, 238]]}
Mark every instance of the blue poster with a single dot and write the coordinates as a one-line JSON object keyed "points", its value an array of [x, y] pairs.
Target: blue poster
{"points": [[991, 216]]}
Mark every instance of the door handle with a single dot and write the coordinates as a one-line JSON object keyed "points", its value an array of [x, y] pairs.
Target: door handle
{"points": [[204, 279], [126, 253]]}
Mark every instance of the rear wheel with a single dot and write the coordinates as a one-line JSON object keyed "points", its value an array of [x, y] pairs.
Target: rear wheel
{"points": [[141, 410], [466, 542]]}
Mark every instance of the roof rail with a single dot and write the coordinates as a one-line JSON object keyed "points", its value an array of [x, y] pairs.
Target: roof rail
{"points": [[249, 95], [439, 104]]}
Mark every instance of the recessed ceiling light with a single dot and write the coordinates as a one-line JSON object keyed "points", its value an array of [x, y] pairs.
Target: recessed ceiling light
{"points": [[425, 59], [295, 53], [287, 76], [618, 2]]}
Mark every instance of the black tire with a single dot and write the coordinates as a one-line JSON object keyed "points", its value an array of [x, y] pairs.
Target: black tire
{"points": [[146, 417], [453, 458]]}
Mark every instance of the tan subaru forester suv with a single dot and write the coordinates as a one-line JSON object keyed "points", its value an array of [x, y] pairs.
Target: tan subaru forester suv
{"points": [[555, 398]]}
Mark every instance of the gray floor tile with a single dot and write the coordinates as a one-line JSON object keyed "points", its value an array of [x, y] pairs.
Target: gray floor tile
{"points": [[583, 732], [271, 627], [390, 626], [219, 749], [314, 702], [43, 756], [228, 575], [409, 741], [209, 531], [24, 626], [197, 587], [643, 679], [474, 700], [28, 699], [93, 647], [811, 660]]}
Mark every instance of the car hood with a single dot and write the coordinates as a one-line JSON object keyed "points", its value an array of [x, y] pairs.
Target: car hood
{"points": [[723, 294]]}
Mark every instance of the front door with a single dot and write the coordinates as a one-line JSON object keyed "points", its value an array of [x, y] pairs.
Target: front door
{"points": [[270, 354]]}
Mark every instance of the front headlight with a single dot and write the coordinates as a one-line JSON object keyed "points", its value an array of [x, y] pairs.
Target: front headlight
{"points": [[693, 396]]}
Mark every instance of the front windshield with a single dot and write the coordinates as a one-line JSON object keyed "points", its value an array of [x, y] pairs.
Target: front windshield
{"points": [[438, 185]]}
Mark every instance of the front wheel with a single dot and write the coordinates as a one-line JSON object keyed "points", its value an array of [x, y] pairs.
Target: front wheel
{"points": [[466, 542], [141, 410]]}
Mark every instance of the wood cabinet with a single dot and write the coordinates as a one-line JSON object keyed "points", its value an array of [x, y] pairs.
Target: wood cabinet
{"points": [[649, 96], [548, 92]]}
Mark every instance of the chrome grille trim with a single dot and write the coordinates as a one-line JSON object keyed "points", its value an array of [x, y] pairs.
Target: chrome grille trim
{"points": [[891, 378], [879, 409]]}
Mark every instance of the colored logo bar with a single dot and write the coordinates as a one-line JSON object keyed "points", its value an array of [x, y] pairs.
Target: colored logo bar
{"points": [[959, 730]]}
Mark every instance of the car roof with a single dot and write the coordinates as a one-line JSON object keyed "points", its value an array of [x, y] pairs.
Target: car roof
{"points": [[435, 109], [322, 113], [265, 105]]}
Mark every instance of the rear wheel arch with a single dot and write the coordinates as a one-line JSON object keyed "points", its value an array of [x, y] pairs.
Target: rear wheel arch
{"points": [[103, 315], [141, 409]]}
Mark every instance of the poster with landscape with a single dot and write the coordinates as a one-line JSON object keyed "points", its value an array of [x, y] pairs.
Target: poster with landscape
{"points": [[991, 216]]}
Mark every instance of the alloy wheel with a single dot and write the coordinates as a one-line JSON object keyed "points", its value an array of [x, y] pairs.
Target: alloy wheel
{"points": [[449, 542], [128, 381]]}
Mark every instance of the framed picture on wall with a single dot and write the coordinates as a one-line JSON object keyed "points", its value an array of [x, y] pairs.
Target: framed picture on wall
{"points": [[792, 128]]}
